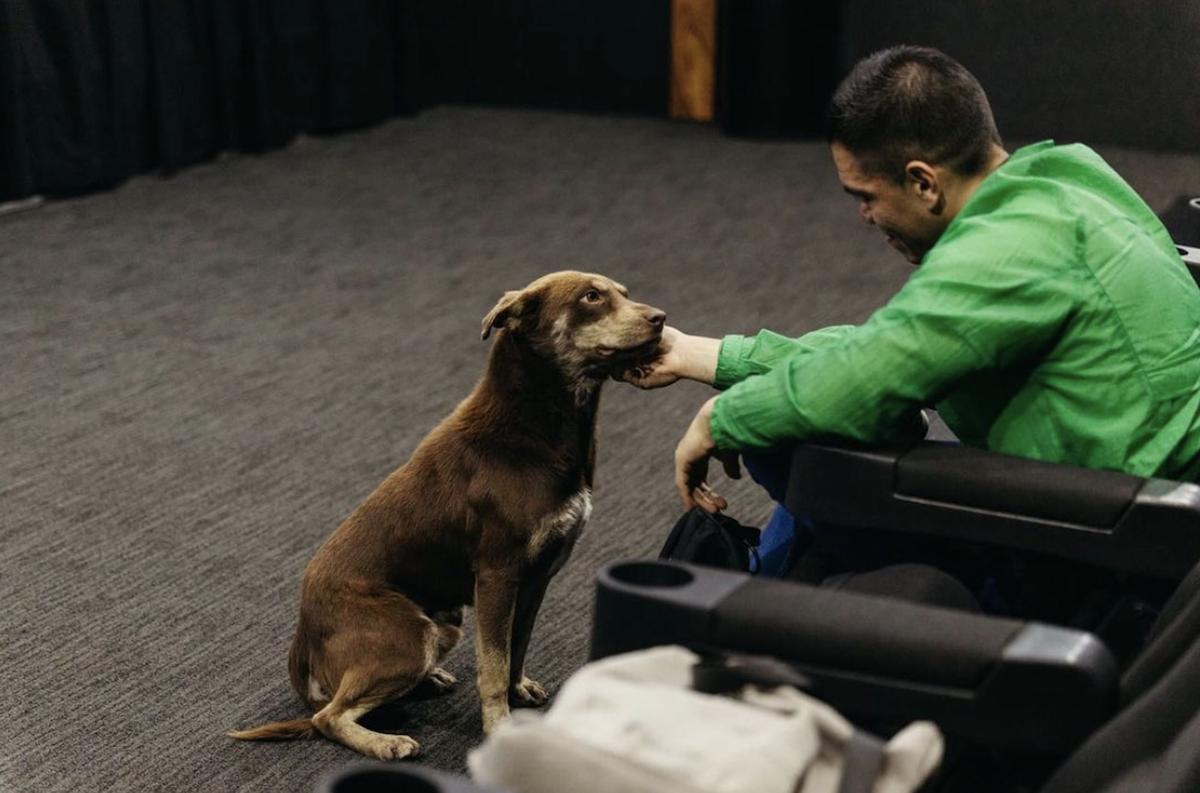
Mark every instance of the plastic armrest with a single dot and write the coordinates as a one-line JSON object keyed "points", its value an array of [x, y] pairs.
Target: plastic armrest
{"points": [[1104, 518], [1013, 685]]}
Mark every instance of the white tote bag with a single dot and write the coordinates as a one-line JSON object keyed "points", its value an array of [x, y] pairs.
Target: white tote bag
{"points": [[632, 723]]}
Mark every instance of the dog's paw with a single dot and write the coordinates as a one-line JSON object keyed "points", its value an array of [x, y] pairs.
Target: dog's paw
{"points": [[528, 694], [393, 747], [440, 679]]}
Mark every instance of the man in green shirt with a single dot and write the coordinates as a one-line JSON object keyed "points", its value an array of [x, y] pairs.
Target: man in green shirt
{"points": [[1050, 315]]}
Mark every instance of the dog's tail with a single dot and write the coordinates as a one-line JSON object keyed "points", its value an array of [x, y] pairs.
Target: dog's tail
{"points": [[278, 731]]}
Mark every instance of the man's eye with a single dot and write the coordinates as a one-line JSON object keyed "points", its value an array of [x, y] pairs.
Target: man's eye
{"points": [[591, 296]]}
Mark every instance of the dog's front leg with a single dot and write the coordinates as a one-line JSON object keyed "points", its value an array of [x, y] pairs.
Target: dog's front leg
{"points": [[495, 603], [526, 692]]}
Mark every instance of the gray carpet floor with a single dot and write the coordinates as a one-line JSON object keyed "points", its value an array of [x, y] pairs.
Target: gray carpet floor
{"points": [[203, 374]]}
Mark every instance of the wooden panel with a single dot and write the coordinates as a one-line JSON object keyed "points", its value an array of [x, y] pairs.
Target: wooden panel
{"points": [[693, 53]]}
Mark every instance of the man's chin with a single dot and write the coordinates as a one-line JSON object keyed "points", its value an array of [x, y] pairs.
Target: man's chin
{"points": [[904, 249]]}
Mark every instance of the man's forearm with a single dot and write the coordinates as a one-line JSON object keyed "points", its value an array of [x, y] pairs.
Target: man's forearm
{"points": [[698, 358]]}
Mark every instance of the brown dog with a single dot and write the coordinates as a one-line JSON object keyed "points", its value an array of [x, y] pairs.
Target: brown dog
{"points": [[485, 512]]}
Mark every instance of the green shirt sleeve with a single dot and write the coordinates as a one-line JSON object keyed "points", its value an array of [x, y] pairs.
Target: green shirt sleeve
{"points": [[969, 310], [745, 356]]}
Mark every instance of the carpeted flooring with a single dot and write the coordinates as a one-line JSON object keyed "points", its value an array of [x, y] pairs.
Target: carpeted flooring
{"points": [[203, 374]]}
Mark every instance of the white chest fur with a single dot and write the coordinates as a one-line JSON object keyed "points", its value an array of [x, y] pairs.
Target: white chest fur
{"points": [[560, 530]]}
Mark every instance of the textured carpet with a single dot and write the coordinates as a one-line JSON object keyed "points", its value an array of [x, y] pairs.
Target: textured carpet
{"points": [[203, 374]]}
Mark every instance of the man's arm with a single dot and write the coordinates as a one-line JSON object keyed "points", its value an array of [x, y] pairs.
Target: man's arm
{"points": [[951, 319], [947, 322], [723, 362]]}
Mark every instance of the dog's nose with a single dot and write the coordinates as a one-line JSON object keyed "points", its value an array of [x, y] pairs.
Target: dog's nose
{"points": [[656, 317]]}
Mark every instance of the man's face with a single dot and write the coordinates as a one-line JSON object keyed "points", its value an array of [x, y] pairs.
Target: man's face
{"points": [[901, 211]]}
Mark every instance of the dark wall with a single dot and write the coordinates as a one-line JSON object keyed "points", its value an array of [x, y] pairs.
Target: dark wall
{"points": [[1112, 71]]}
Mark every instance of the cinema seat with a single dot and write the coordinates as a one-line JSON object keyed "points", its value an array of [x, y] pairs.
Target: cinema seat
{"points": [[1133, 537], [1039, 697]]}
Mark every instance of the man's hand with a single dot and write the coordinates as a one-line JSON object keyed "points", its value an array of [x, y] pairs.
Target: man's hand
{"points": [[691, 463], [679, 356]]}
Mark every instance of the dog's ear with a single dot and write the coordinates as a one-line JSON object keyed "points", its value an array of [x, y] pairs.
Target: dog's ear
{"points": [[509, 307]]}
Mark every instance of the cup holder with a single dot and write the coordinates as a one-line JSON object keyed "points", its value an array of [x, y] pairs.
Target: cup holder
{"points": [[651, 574]]}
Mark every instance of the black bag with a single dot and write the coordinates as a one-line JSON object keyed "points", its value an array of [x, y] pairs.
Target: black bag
{"points": [[714, 541]]}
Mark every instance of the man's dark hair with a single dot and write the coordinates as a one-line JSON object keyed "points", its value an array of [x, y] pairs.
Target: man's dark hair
{"points": [[912, 103]]}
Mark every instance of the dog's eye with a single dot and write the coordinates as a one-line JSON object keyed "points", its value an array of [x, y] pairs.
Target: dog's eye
{"points": [[592, 296]]}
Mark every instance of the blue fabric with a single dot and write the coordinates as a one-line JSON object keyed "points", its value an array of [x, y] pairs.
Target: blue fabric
{"points": [[775, 549], [786, 534]]}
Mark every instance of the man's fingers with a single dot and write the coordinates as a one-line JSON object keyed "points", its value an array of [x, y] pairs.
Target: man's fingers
{"points": [[709, 499], [641, 377], [691, 465]]}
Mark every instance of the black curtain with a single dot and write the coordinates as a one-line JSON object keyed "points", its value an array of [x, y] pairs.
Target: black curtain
{"points": [[92, 91], [778, 63], [585, 55]]}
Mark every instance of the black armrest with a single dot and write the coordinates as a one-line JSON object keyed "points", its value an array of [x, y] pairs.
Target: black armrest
{"points": [[1104, 518], [372, 777], [1013, 685]]}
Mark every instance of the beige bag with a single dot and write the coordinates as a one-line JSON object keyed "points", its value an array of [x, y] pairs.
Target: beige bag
{"points": [[632, 723]]}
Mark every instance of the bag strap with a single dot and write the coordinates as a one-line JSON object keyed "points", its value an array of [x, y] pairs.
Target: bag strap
{"points": [[722, 673], [749, 535], [862, 760]]}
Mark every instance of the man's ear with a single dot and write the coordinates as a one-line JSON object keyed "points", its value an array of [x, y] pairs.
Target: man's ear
{"points": [[925, 182], [508, 307]]}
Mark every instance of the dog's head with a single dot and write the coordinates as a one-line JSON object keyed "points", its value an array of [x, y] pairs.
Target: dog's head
{"points": [[583, 321]]}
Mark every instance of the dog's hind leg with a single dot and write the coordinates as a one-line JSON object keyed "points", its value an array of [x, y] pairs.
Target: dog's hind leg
{"points": [[338, 721], [390, 647]]}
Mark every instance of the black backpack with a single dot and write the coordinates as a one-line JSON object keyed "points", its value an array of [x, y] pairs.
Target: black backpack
{"points": [[713, 541]]}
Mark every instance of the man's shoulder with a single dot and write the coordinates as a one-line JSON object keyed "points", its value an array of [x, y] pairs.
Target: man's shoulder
{"points": [[1048, 158], [1042, 195], [1033, 215]]}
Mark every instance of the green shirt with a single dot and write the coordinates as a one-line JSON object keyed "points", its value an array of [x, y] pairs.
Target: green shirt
{"points": [[1053, 319]]}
